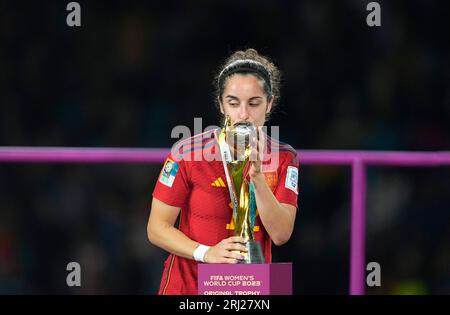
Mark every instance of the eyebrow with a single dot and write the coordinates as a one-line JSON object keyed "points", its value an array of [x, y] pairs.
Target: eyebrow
{"points": [[236, 98]]}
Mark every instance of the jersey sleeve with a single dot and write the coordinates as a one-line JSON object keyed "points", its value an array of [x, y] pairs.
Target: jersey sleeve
{"points": [[287, 189], [172, 186]]}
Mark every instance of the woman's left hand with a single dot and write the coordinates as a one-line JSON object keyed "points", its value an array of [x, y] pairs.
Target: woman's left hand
{"points": [[257, 155]]}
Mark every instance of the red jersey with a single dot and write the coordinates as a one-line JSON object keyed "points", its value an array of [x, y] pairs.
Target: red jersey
{"points": [[193, 179]]}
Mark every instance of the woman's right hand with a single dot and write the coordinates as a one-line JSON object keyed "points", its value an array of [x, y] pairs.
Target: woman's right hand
{"points": [[227, 251]]}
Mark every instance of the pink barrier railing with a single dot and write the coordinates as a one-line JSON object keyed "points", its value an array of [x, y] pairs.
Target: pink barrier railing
{"points": [[358, 160]]}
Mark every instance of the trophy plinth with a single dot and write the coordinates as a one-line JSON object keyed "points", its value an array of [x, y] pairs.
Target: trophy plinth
{"points": [[257, 279]]}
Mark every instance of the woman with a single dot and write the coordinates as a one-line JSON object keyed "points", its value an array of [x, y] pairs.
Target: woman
{"points": [[247, 90]]}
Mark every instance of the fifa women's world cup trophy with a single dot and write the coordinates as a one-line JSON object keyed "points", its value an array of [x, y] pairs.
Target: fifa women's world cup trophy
{"points": [[236, 145]]}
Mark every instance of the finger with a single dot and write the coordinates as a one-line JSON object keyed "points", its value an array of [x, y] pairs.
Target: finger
{"points": [[261, 147], [230, 261], [235, 255], [262, 142], [256, 167], [254, 145], [257, 164], [236, 247], [254, 152], [237, 239]]}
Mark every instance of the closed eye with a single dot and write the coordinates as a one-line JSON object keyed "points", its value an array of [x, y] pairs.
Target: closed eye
{"points": [[255, 101]]}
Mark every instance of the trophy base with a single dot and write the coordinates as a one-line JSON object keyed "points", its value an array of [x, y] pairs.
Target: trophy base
{"points": [[254, 253]]}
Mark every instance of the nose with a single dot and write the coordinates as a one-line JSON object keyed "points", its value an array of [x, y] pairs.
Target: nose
{"points": [[243, 112]]}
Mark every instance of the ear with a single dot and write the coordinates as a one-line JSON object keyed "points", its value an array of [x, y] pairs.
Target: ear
{"points": [[220, 105]]}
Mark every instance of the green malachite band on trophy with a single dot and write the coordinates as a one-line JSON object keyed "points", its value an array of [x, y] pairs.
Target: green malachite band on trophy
{"points": [[252, 204]]}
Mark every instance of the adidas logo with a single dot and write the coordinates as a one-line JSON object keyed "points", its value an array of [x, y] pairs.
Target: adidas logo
{"points": [[218, 183]]}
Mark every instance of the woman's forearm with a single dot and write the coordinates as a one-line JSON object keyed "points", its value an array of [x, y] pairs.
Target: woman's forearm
{"points": [[278, 219], [171, 239]]}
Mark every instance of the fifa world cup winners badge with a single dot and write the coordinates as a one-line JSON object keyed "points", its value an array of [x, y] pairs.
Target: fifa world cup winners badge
{"points": [[236, 143]]}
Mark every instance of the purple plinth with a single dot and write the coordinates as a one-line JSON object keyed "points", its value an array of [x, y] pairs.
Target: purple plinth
{"points": [[245, 279]]}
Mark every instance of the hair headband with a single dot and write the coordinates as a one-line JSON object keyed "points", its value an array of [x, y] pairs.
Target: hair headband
{"points": [[245, 65]]}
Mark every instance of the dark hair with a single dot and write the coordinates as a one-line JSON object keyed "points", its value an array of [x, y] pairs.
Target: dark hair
{"points": [[250, 62]]}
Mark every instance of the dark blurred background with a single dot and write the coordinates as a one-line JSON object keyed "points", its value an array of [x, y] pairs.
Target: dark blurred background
{"points": [[136, 69]]}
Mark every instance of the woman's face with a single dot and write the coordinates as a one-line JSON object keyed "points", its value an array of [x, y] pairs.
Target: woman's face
{"points": [[244, 99]]}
